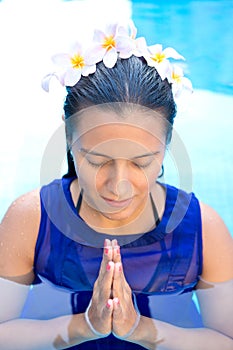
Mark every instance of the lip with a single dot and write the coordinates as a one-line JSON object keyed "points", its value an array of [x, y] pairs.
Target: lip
{"points": [[118, 204]]}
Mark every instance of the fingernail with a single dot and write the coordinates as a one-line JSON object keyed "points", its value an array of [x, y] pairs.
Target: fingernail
{"points": [[109, 265], [116, 301], [106, 250], [109, 304], [106, 243], [118, 250], [119, 267], [115, 243]]}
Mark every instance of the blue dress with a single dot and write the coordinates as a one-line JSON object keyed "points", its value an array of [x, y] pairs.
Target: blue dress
{"points": [[162, 266]]}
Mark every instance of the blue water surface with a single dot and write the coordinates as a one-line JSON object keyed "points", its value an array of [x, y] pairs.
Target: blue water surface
{"points": [[201, 30]]}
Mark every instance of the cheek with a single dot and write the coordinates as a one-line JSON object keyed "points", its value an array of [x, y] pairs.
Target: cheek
{"points": [[86, 174]]}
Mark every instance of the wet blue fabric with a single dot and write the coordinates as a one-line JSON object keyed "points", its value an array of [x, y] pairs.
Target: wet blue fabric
{"points": [[164, 262]]}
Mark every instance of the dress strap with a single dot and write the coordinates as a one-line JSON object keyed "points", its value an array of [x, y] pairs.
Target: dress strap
{"points": [[79, 202]]}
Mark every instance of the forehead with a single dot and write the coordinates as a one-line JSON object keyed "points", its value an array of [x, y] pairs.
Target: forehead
{"points": [[107, 129]]}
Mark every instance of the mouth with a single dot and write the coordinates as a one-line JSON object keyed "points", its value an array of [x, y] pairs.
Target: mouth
{"points": [[118, 204]]}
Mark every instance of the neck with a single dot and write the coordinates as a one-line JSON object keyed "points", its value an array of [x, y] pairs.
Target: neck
{"points": [[143, 221]]}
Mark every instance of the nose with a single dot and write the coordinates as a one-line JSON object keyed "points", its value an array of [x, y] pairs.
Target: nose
{"points": [[118, 179]]}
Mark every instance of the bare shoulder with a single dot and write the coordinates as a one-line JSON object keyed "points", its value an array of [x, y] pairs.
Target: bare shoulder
{"points": [[217, 247], [18, 234]]}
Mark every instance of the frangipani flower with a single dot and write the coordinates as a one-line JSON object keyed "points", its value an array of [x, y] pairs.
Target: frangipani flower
{"points": [[107, 45], [179, 82], [137, 47], [72, 66], [158, 58], [117, 41]]}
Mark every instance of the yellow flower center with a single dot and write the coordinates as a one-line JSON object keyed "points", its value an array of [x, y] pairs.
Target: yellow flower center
{"points": [[77, 61], [176, 77], [158, 57], [109, 42]]}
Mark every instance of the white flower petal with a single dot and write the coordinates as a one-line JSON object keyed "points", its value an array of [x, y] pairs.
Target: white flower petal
{"points": [[110, 58], [88, 70], [62, 59], [133, 29], [187, 84], [126, 54], [176, 90], [46, 81], [163, 69], [124, 44], [72, 76], [141, 47], [111, 29], [178, 70], [149, 61], [76, 48], [157, 48], [169, 52], [94, 54], [98, 36], [122, 31]]}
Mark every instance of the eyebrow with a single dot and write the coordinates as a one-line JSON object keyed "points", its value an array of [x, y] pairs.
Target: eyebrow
{"points": [[106, 156]]}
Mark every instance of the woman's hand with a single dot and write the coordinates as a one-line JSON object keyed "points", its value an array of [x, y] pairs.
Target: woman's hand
{"points": [[101, 308], [124, 315], [112, 308]]}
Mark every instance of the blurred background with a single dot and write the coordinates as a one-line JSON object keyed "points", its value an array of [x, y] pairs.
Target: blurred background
{"points": [[32, 30]]}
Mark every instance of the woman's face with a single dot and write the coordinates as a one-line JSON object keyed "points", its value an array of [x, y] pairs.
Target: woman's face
{"points": [[118, 161]]}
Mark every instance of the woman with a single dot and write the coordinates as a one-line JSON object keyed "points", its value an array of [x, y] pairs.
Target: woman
{"points": [[129, 249]]}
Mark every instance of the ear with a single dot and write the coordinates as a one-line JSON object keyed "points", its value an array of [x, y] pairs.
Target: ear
{"points": [[63, 117]]}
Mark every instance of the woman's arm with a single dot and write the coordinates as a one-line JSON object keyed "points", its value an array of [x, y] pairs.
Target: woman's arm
{"points": [[17, 334], [18, 234], [154, 334], [214, 293]]}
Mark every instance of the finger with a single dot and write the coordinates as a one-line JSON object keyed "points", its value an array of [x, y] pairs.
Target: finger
{"points": [[121, 288], [116, 251], [116, 306], [118, 281], [109, 306], [108, 277], [107, 255]]}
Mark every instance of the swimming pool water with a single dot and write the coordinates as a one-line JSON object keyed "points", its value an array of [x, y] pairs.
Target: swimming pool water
{"points": [[201, 30]]}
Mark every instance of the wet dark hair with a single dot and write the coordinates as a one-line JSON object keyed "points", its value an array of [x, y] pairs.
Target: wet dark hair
{"points": [[130, 80]]}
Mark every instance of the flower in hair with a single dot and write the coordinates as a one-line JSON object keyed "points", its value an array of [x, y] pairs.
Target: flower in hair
{"points": [[158, 58], [179, 82], [117, 41], [107, 45], [137, 47], [71, 65]]}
